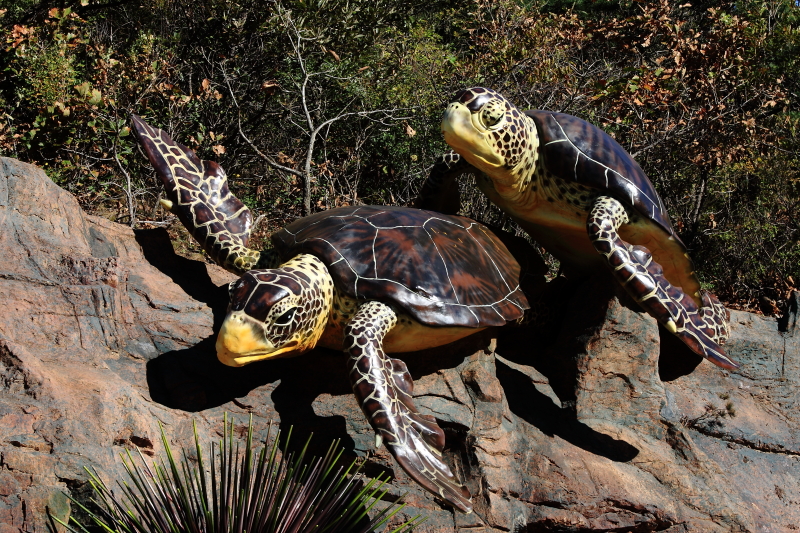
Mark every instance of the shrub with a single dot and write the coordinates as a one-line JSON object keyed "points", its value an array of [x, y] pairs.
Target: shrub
{"points": [[240, 490]]}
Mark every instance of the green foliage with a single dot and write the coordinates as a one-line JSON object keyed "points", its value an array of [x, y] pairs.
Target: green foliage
{"points": [[750, 236], [704, 95], [16, 9], [50, 74], [241, 489]]}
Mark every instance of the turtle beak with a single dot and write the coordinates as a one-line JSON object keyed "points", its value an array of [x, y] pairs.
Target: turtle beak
{"points": [[239, 342], [466, 138]]}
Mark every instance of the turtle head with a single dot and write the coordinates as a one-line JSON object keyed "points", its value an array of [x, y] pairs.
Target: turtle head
{"points": [[276, 312], [489, 132]]}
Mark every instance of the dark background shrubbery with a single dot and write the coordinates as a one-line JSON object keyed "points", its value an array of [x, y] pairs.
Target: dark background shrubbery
{"points": [[320, 103]]}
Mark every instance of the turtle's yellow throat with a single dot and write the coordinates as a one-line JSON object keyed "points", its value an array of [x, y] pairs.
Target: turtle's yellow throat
{"points": [[464, 132], [469, 139]]}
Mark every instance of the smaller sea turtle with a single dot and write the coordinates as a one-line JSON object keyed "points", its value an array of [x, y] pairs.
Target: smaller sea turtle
{"points": [[367, 280], [579, 194]]}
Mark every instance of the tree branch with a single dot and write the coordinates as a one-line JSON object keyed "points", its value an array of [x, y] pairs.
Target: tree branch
{"points": [[271, 162]]}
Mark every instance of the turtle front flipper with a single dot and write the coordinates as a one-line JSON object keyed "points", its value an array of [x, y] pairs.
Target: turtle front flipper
{"points": [[198, 194], [702, 329], [440, 191], [383, 388]]}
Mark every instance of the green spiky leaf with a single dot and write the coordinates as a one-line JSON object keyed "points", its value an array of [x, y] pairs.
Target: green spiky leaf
{"points": [[240, 490]]}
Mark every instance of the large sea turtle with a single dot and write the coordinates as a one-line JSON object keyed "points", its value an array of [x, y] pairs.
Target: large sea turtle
{"points": [[367, 280], [578, 193]]}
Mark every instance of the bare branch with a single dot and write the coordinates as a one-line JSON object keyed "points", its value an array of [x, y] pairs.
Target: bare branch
{"points": [[128, 189], [307, 88], [271, 162]]}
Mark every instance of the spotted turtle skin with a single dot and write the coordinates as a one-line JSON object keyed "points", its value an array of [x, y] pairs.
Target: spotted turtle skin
{"points": [[579, 194], [366, 280]]}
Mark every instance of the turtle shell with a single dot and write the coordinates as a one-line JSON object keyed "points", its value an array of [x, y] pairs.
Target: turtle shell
{"points": [[575, 150], [442, 270]]}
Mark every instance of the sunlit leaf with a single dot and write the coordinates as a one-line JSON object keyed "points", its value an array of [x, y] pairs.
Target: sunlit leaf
{"points": [[96, 97], [84, 88]]}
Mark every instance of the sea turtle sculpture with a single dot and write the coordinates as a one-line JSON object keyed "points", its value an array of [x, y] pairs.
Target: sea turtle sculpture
{"points": [[579, 194], [366, 280]]}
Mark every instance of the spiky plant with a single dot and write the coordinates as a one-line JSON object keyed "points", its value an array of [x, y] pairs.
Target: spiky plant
{"points": [[240, 492]]}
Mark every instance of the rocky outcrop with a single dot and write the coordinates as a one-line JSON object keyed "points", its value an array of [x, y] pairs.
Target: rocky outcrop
{"points": [[602, 422]]}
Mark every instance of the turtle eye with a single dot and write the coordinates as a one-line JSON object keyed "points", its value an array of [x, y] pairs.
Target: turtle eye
{"points": [[491, 115], [286, 318]]}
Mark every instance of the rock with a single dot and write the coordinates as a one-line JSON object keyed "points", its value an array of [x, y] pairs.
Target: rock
{"points": [[477, 375], [599, 422]]}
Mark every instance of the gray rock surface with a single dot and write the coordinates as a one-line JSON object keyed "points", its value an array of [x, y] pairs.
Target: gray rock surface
{"points": [[601, 422]]}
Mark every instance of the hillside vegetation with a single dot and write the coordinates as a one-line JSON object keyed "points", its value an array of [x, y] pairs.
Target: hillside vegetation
{"points": [[319, 103]]}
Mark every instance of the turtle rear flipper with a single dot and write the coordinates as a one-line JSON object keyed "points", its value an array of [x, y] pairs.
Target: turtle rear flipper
{"points": [[703, 329], [383, 389], [199, 194]]}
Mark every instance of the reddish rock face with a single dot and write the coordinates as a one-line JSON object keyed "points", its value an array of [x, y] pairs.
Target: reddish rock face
{"points": [[598, 423]]}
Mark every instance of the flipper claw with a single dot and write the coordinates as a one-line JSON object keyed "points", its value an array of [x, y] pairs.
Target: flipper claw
{"points": [[166, 204]]}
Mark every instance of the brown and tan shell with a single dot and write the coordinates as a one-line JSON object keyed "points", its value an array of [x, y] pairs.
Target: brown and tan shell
{"points": [[577, 151], [442, 270]]}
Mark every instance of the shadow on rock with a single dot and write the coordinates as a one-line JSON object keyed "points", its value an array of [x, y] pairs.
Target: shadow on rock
{"points": [[302, 381], [190, 275], [532, 344], [788, 322], [537, 409], [430, 361], [675, 358], [534, 348], [194, 380]]}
